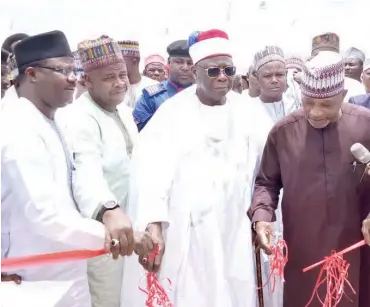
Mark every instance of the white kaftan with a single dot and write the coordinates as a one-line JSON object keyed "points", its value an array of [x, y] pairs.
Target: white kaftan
{"points": [[353, 87], [194, 170], [37, 200], [102, 143], [134, 91]]}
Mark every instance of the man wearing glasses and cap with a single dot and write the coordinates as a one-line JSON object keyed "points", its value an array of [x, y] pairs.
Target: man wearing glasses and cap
{"points": [[194, 171], [180, 78]]}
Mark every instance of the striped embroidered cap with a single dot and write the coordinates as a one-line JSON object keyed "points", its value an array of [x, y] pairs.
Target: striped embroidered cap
{"points": [[129, 48], [268, 54], [354, 53], [366, 64], [294, 62], [323, 76], [98, 53]]}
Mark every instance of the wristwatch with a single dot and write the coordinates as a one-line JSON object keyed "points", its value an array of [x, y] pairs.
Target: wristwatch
{"points": [[110, 205]]}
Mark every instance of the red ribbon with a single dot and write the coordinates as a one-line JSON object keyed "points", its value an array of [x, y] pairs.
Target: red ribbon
{"points": [[156, 294], [334, 274], [13, 264], [277, 260]]}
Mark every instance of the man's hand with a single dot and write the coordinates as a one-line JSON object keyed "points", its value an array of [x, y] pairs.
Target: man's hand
{"points": [[118, 227], [12, 277], [153, 264], [144, 244], [264, 231], [366, 229]]}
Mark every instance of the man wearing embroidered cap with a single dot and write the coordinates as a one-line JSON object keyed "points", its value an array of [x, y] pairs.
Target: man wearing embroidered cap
{"points": [[330, 42], [102, 139], [354, 63], [194, 171], [326, 199], [131, 54], [180, 77], [155, 67]]}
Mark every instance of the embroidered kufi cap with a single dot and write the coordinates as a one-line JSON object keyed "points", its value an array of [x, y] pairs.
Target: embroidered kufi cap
{"points": [[268, 54], [208, 44], [354, 53], [154, 58], [294, 61], [366, 64], [39, 47], [129, 48], [323, 76], [326, 42], [98, 53]]}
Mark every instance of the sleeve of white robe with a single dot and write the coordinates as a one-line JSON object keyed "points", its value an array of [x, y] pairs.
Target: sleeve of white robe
{"points": [[26, 167], [90, 189]]}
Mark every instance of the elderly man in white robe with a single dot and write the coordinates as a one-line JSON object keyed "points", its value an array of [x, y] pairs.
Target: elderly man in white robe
{"points": [[38, 211], [194, 168], [102, 142]]}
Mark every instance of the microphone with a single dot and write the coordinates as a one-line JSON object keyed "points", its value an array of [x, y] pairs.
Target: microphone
{"points": [[360, 152]]}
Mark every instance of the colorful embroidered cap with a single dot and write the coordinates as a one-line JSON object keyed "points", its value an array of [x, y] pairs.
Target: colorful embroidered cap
{"points": [[294, 62], [98, 53], [323, 76], [154, 58], [325, 42], [268, 54], [208, 44], [354, 53], [129, 48]]}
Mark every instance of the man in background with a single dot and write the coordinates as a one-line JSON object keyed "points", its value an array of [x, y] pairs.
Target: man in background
{"points": [[131, 54], [364, 100], [180, 77], [155, 67], [330, 42], [354, 63]]}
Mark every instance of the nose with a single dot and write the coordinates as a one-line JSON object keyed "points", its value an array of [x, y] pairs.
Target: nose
{"points": [[274, 79], [72, 78], [121, 82], [156, 72], [185, 67]]}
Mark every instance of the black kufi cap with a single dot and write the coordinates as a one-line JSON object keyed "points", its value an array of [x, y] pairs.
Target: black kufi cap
{"points": [[4, 55], [178, 48], [40, 47]]}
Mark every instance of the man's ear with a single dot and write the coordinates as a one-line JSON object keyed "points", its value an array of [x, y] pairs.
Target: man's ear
{"points": [[194, 71], [30, 74]]}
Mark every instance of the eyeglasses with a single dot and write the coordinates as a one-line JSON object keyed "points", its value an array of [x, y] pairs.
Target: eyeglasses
{"points": [[214, 72], [68, 72]]}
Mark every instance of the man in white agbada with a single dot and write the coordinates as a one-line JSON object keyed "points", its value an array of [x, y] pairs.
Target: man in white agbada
{"points": [[271, 74], [38, 211], [137, 82], [102, 142], [194, 168]]}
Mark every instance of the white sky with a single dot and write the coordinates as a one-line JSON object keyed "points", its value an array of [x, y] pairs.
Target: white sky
{"points": [[288, 23]]}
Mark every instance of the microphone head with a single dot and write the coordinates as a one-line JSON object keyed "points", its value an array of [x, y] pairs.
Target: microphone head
{"points": [[360, 152]]}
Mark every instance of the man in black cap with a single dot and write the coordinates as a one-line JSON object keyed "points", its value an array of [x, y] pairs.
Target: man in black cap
{"points": [[4, 72], [39, 213], [180, 77]]}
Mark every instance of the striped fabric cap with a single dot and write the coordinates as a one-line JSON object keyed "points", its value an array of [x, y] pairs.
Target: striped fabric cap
{"points": [[129, 48]]}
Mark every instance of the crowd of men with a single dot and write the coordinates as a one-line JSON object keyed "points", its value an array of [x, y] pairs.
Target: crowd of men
{"points": [[184, 169]]}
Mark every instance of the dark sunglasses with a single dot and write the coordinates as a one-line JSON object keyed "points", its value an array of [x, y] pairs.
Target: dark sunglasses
{"points": [[214, 72]]}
